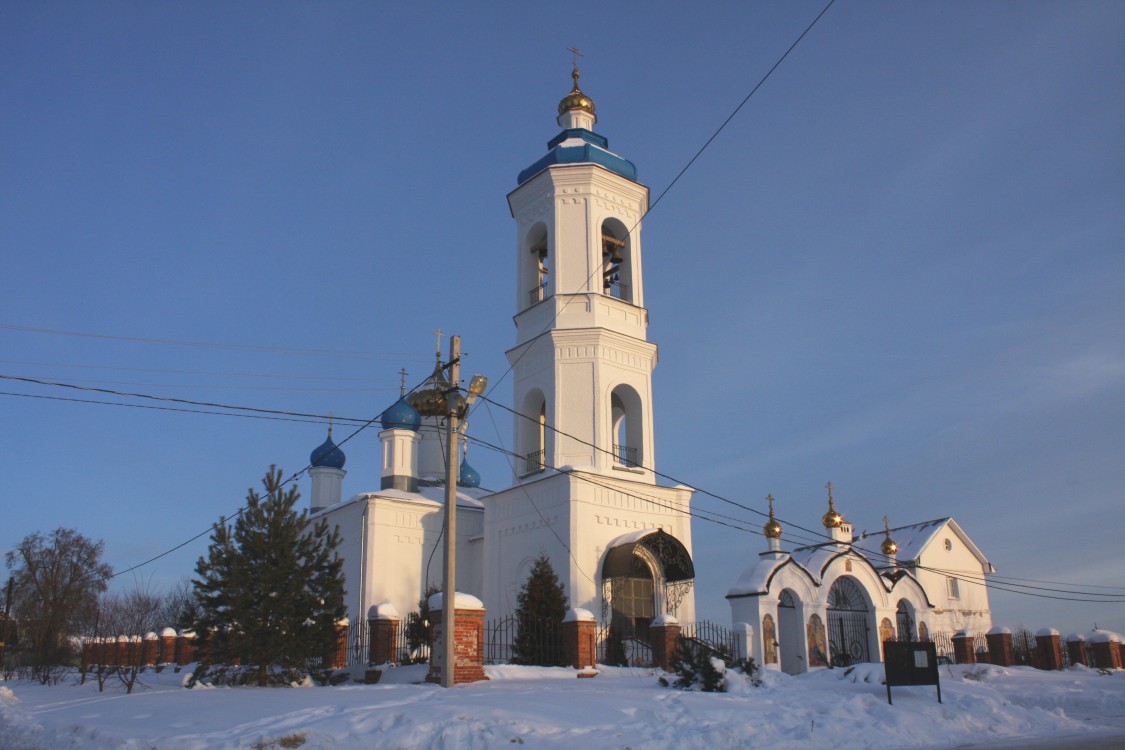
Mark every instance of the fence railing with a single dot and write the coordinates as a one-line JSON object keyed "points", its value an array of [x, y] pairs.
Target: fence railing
{"points": [[625, 455], [719, 639], [533, 463]]}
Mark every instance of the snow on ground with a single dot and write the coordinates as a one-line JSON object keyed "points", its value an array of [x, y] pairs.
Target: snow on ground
{"points": [[549, 708]]}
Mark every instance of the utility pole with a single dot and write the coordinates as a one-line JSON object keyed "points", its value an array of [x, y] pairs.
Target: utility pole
{"points": [[453, 401]]}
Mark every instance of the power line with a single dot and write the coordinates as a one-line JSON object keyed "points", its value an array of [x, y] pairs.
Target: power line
{"points": [[340, 353]]}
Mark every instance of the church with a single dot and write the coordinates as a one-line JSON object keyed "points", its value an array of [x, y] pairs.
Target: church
{"points": [[583, 490]]}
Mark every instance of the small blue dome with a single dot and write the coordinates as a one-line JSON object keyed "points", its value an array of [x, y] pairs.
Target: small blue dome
{"points": [[469, 476], [401, 415], [328, 455]]}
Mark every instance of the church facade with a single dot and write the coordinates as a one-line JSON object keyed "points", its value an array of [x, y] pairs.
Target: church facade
{"points": [[583, 490]]}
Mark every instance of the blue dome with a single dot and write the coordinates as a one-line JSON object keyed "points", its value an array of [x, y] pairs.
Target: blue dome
{"points": [[328, 455], [469, 476], [401, 416]]}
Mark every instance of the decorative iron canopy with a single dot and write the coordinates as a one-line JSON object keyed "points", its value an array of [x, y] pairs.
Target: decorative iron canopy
{"points": [[669, 550]]}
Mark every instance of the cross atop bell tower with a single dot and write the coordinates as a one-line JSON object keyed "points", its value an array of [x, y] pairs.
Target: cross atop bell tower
{"points": [[582, 363]]}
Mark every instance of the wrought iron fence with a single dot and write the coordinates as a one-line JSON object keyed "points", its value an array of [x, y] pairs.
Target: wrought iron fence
{"points": [[618, 650], [538, 294], [617, 290], [513, 640], [721, 640]]}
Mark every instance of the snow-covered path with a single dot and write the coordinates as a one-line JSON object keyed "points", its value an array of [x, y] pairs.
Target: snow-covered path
{"points": [[549, 708]]}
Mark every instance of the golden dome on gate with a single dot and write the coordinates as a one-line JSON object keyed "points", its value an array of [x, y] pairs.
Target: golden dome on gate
{"points": [[889, 546], [772, 529], [576, 99], [831, 519]]}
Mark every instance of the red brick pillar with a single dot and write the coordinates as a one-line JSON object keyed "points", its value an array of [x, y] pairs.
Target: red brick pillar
{"points": [[580, 638], [382, 631], [1048, 646], [1000, 647], [963, 652], [664, 635], [468, 640], [120, 651], [185, 648], [149, 650], [1076, 649], [338, 659], [167, 646], [1107, 654]]}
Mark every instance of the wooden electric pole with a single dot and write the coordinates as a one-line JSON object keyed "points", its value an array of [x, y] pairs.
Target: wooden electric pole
{"points": [[453, 401]]}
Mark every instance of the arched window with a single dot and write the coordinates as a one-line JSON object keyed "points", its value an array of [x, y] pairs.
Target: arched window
{"points": [[616, 268], [536, 266], [625, 426], [533, 433]]}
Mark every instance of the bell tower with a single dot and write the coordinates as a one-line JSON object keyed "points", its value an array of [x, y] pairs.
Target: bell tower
{"points": [[581, 362]]}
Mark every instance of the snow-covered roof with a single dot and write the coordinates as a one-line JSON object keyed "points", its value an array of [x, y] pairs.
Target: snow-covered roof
{"points": [[755, 579], [913, 539], [468, 498]]}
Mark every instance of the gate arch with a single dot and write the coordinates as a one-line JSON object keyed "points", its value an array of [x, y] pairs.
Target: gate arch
{"points": [[849, 613]]}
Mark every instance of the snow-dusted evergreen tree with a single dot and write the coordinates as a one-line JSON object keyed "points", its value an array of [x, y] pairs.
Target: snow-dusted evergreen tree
{"points": [[270, 591], [540, 609]]}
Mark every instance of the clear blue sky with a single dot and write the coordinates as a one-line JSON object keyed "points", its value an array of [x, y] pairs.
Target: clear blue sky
{"points": [[900, 268]]}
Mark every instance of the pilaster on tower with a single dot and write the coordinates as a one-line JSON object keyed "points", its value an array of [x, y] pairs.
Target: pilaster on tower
{"points": [[582, 361]]}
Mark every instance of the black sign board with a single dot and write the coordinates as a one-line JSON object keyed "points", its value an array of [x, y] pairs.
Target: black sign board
{"points": [[910, 663]]}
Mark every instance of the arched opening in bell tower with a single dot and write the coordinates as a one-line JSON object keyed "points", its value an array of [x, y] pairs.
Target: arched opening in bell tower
{"points": [[617, 270], [625, 422], [535, 267], [532, 438]]}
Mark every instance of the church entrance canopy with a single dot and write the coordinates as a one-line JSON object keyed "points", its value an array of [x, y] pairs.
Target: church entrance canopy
{"points": [[644, 574]]}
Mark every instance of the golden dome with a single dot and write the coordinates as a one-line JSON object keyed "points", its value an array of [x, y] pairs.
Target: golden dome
{"points": [[889, 546], [831, 519], [576, 99], [429, 401], [772, 529]]}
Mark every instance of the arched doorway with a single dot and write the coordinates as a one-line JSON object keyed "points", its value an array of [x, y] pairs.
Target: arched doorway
{"points": [[848, 629], [643, 577], [904, 621], [790, 634]]}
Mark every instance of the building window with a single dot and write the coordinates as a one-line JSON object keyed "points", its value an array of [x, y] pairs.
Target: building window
{"points": [[952, 588]]}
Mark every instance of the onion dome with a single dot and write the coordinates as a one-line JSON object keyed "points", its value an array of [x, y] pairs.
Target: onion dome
{"points": [[327, 455], [889, 546], [400, 416], [831, 519], [772, 529], [576, 99], [429, 401], [468, 477]]}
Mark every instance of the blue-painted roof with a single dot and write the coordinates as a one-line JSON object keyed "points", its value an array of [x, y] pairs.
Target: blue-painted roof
{"points": [[469, 477], [328, 455], [401, 416], [592, 150]]}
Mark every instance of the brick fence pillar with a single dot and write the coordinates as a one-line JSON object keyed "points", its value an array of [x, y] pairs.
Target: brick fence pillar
{"points": [[580, 638], [1076, 649], [338, 658], [963, 651], [185, 648], [1048, 645], [1000, 647], [468, 640], [664, 635], [167, 646], [149, 650], [1106, 648], [382, 631]]}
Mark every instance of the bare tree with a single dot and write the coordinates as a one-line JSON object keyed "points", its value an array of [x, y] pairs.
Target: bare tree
{"points": [[56, 583], [133, 615], [178, 608]]}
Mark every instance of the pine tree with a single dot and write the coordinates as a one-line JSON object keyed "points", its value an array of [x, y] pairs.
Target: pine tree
{"points": [[270, 590], [540, 609]]}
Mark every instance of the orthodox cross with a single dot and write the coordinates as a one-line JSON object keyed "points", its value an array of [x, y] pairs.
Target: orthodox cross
{"points": [[575, 54], [329, 424], [402, 379], [887, 524], [439, 334], [829, 486], [770, 499]]}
